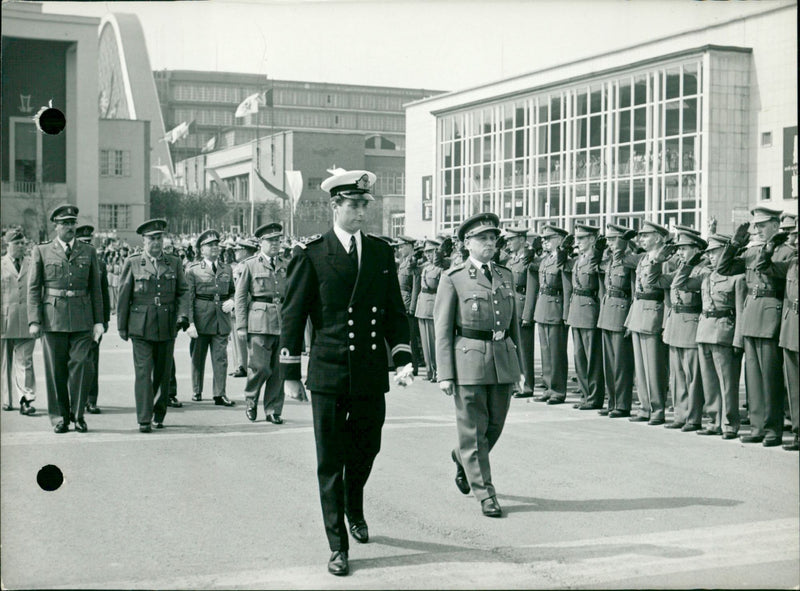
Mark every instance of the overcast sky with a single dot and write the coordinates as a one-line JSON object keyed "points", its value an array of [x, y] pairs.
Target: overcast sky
{"points": [[433, 44]]}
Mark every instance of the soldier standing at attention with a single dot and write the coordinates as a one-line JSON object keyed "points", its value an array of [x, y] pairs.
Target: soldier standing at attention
{"points": [[84, 234], [618, 364], [476, 347], [16, 344], [760, 325], [646, 323], [243, 249], [259, 293], [64, 302], [429, 282], [584, 309], [521, 257], [346, 283], [548, 284], [211, 291], [152, 307]]}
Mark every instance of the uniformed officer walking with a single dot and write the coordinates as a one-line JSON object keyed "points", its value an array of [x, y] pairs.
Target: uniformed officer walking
{"points": [[521, 257], [478, 354], [243, 249], [346, 283], [84, 234], [211, 291], [429, 282], [65, 303], [152, 306], [259, 293], [16, 344]]}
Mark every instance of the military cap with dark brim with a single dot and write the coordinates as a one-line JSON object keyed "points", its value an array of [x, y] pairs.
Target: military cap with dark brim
{"points": [[14, 235], [84, 232], [690, 239], [478, 224], [716, 241], [765, 214], [246, 243], [680, 229], [270, 230], [586, 230], [616, 230], [549, 230], [517, 231], [154, 227], [207, 237], [350, 184], [649, 227], [788, 221], [406, 239], [64, 213], [432, 244]]}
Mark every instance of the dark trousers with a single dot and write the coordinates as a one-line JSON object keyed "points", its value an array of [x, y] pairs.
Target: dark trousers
{"points": [[763, 381], [790, 363], [588, 346], [152, 361], [262, 370], [553, 342], [417, 359], [198, 348], [347, 431], [173, 381], [527, 340], [93, 385], [618, 369], [68, 373]]}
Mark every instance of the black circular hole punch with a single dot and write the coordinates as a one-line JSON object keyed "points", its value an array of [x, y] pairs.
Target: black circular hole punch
{"points": [[50, 478], [51, 121]]}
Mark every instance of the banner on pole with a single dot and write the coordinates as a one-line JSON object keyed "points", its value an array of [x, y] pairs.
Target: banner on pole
{"points": [[294, 182]]}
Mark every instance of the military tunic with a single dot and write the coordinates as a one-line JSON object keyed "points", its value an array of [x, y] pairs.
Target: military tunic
{"points": [[477, 348], [519, 264], [16, 344], [238, 344], [429, 282], [94, 388], [259, 294], [408, 275]]}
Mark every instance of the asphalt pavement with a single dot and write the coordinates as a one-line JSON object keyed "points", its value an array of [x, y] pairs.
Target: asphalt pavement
{"points": [[215, 501]]}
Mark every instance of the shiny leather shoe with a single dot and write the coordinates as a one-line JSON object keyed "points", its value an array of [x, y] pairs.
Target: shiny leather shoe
{"points": [[675, 425], [145, 428], [158, 424], [275, 419], [359, 531], [197, 397], [239, 373], [523, 395], [251, 412], [711, 431], [61, 427], [8, 407], [223, 401], [80, 426], [751, 438], [337, 564], [793, 446], [604, 412], [689, 427], [589, 407], [656, 422], [555, 401], [745, 421], [461, 477], [730, 435], [174, 402], [543, 398], [772, 442], [26, 409], [491, 508], [92, 409], [639, 419], [618, 414]]}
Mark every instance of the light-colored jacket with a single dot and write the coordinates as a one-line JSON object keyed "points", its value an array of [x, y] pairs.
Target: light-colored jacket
{"points": [[14, 298]]}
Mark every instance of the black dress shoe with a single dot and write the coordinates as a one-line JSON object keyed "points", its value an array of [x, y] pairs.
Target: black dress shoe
{"points": [[145, 428], [772, 442], [730, 435], [223, 401], [555, 401], [745, 421], [523, 394], [61, 427], [158, 424], [543, 398], [491, 508], [689, 427], [251, 412], [603, 412], [8, 407], [589, 407], [174, 402], [197, 397], [793, 446], [675, 425], [616, 414], [710, 431], [239, 373], [275, 419], [25, 408], [92, 409], [461, 477], [656, 422], [337, 564], [359, 531], [751, 438], [639, 419], [80, 426]]}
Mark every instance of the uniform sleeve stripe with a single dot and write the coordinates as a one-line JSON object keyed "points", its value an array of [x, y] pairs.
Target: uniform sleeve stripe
{"points": [[401, 349], [290, 359]]}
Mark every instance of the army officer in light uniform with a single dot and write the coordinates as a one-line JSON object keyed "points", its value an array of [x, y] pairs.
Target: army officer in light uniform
{"points": [[429, 282], [477, 353]]}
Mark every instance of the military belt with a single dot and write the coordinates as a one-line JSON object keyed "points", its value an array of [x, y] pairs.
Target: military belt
{"points": [[521, 289], [482, 335], [762, 293], [155, 300], [618, 293], [729, 313], [656, 296], [266, 299], [683, 309], [553, 291], [65, 293], [428, 290], [212, 298], [589, 293]]}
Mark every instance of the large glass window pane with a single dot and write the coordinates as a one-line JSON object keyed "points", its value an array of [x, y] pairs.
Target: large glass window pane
{"points": [[555, 108], [625, 126], [520, 176], [640, 123], [555, 203], [519, 204], [595, 164], [640, 90], [672, 118], [624, 197], [688, 218], [457, 188], [508, 119], [597, 100], [555, 137], [520, 116], [595, 130], [542, 144], [624, 162], [457, 159], [508, 145], [594, 198], [625, 93], [487, 148], [689, 150], [447, 128], [638, 196], [447, 152], [580, 165], [581, 131], [541, 165], [447, 187], [639, 158], [543, 116], [520, 143], [476, 149], [689, 79], [488, 121], [673, 83], [555, 168], [508, 174], [580, 106], [580, 200], [690, 116], [670, 194], [541, 203], [671, 157]]}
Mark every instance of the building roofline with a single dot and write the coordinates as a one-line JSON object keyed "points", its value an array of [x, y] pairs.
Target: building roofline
{"points": [[591, 75], [35, 11], [606, 54]]}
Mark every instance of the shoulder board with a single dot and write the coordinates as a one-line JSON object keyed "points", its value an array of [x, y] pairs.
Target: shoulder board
{"points": [[452, 270], [502, 266], [312, 240], [45, 242], [250, 258], [192, 264]]}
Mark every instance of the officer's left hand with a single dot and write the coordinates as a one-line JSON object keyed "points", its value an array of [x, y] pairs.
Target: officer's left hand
{"points": [[183, 323], [227, 306], [405, 375], [447, 387], [97, 332], [695, 260]]}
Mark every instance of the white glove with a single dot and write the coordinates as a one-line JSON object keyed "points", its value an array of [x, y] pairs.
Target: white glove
{"points": [[295, 390], [35, 330], [228, 305], [192, 331], [97, 332], [405, 375]]}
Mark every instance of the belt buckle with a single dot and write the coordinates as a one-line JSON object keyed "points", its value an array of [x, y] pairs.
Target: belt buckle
{"points": [[498, 335], [69, 293], [216, 297], [157, 300], [276, 300]]}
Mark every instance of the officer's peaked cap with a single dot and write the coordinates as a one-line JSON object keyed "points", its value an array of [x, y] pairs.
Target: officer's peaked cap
{"points": [[84, 231], [681, 229], [64, 213], [765, 214], [432, 244], [207, 237], [351, 184], [788, 221], [586, 230], [717, 241], [616, 230], [517, 231], [151, 228], [406, 239], [553, 230], [690, 239], [246, 243], [649, 227], [14, 235], [478, 224], [270, 230]]}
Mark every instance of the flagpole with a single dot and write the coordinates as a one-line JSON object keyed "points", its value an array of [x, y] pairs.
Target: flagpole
{"points": [[258, 167]]}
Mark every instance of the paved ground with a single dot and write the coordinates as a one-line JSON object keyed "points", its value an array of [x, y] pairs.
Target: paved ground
{"points": [[214, 501]]}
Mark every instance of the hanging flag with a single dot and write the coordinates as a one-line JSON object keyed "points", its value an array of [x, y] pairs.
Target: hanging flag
{"points": [[294, 182], [179, 132], [270, 187], [164, 170], [249, 105], [222, 185], [210, 145], [266, 98]]}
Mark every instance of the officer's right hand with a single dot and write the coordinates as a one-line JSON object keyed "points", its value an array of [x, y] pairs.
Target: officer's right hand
{"points": [[35, 330], [536, 244], [192, 331], [567, 242], [448, 387], [601, 243], [742, 235], [294, 389], [123, 334]]}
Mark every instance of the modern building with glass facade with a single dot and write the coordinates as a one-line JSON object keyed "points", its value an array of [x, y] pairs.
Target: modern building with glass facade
{"points": [[681, 130]]}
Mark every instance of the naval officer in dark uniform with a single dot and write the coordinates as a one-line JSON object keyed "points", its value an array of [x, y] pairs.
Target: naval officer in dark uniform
{"points": [[65, 302], [346, 283]]}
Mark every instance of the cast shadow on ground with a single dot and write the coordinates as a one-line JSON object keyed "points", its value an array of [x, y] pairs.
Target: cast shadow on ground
{"points": [[596, 505]]}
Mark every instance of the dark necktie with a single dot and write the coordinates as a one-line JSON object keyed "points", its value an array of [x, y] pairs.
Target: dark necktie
{"points": [[214, 267], [68, 251], [487, 273], [353, 252], [16, 264]]}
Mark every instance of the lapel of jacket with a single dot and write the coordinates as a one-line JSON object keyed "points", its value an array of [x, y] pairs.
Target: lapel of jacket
{"points": [[58, 250], [481, 277], [337, 257], [366, 269]]}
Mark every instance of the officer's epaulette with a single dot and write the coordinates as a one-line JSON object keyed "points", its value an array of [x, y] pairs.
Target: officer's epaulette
{"points": [[502, 266], [452, 270], [248, 258], [313, 240], [193, 264]]}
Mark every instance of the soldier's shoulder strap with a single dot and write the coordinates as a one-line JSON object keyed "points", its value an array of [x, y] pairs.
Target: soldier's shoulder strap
{"points": [[455, 268], [504, 267], [250, 258], [313, 240]]}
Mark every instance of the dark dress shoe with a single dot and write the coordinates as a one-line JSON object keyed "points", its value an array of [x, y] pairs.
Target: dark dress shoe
{"points": [[491, 508], [745, 421], [174, 402], [617, 414], [145, 428], [523, 394], [555, 401], [223, 401], [772, 442], [730, 435], [689, 427], [359, 531], [461, 477], [589, 407], [61, 427], [751, 438], [197, 397], [603, 412], [251, 412], [239, 373], [92, 409], [639, 419], [275, 419], [158, 424], [26, 409], [675, 425], [793, 446], [711, 431], [543, 398], [337, 564], [8, 407], [80, 426], [656, 422]]}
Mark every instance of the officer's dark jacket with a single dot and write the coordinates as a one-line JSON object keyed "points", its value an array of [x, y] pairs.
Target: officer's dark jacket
{"points": [[351, 316]]}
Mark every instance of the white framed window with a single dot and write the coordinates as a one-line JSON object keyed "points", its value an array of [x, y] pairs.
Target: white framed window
{"points": [[115, 163], [115, 216]]}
